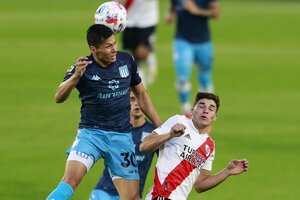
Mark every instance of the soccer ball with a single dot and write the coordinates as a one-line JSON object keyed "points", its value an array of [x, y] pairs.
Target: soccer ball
{"points": [[113, 15]]}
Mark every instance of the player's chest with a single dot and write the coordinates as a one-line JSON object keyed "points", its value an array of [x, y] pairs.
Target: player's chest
{"points": [[112, 79], [192, 143]]}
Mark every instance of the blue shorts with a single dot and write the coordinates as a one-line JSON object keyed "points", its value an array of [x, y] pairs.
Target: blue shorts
{"points": [[186, 54], [98, 194], [116, 148]]}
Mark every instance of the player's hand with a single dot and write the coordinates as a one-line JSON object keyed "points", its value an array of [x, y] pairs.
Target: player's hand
{"points": [[191, 6], [177, 130], [235, 167], [169, 18], [81, 65]]}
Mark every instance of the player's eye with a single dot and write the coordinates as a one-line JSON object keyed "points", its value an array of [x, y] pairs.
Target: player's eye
{"points": [[201, 105]]}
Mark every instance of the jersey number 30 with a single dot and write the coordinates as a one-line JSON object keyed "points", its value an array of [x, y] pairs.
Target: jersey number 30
{"points": [[129, 159]]}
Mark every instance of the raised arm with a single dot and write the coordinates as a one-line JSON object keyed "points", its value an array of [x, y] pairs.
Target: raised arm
{"points": [[154, 141], [207, 181], [66, 87], [212, 11]]}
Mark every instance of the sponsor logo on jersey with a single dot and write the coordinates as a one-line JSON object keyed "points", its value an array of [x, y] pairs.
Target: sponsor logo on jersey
{"points": [[188, 136], [124, 71], [96, 78], [113, 84], [112, 94], [193, 156]]}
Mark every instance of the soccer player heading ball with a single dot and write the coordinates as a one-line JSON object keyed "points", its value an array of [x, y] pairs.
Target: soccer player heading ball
{"points": [[113, 15]]}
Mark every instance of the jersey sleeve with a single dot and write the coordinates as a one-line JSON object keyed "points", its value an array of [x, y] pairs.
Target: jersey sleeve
{"points": [[136, 79], [69, 72], [166, 127], [208, 164]]}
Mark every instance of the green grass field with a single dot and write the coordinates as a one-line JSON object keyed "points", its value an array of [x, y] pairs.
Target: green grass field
{"points": [[256, 74]]}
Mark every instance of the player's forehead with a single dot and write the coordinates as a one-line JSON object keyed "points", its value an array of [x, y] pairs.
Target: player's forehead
{"points": [[207, 102], [109, 41]]}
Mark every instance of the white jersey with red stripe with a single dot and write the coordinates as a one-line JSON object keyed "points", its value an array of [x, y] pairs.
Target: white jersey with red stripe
{"points": [[142, 13], [180, 160]]}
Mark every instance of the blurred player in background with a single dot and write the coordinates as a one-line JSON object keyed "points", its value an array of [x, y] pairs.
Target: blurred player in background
{"points": [[105, 188], [104, 80], [139, 36], [186, 153], [192, 44]]}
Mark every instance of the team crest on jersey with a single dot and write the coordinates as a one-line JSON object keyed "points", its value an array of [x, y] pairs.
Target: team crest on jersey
{"points": [[124, 71]]}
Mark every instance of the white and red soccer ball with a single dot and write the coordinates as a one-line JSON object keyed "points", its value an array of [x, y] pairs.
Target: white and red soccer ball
{"points": [[113, 15]]}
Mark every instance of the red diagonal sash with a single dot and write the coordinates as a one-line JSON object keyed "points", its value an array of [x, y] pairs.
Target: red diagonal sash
{"points": [[179, 173]]}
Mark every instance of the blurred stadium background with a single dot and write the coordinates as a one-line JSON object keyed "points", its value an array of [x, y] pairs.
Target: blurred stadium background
{"points": [[256, 75]]}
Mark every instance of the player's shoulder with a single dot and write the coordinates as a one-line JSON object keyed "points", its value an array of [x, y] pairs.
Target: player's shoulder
{"points": [[122, 55], [180, 118], [176, 119]]}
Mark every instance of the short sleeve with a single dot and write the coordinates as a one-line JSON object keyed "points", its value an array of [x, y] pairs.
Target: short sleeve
{"points": [[136, 79], [166, 127], [69, 72]]}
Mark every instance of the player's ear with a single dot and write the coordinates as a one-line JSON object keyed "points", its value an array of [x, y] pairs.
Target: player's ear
{"points": [[215, 118], [193, 108], [93, 49]]}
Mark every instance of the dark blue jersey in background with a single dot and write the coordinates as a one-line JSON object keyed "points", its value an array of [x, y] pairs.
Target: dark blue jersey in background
{"points": [[105, 93], [190, 27], [144, 161]]}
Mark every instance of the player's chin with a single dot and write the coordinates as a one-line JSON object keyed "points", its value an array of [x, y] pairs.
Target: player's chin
{"points": [[113, 59], [204, 122]]}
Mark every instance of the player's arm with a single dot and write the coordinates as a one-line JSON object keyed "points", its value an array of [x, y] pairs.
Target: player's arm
{"points": [[171, 13], [212, 11], [145, 104], [66, 87], [207, 181], [154, 141]]}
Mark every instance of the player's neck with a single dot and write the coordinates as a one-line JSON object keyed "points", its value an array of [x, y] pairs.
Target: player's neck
{"points": [[101, 62], [137, 122], [203, 129]]}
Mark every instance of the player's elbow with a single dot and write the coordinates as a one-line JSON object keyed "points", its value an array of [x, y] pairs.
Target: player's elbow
{"points": [[143, 148], [58, 101], [58, 98], [199, 188]]}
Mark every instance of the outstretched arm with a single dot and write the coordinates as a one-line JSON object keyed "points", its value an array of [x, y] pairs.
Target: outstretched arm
{"points": [[154, 141], [66, 87], [207, 181]]}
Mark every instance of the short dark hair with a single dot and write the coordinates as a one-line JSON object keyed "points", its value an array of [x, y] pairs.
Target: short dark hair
{"points": [[97, 33], [207, 95]]}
